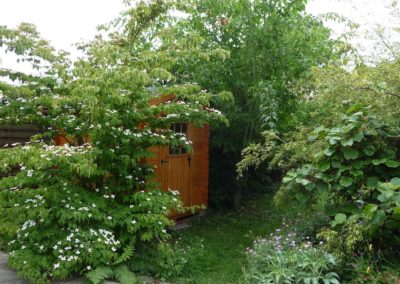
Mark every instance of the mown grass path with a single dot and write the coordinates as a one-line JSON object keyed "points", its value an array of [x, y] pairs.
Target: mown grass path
{"points": [[225, 237]]}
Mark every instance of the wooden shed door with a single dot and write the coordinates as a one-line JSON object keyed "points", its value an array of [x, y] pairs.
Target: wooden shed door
{"points": [[175, 167]]}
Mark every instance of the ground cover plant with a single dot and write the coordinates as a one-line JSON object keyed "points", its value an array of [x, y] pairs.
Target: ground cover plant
{"points": [[286, 256]]}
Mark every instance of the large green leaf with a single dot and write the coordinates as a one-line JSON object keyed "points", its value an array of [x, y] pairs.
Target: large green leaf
{"points": [[358, 137], [287, 179], [392, 164], [310, 186], [395, 181], [358, 164], [356, 173], [377, 162], [369, 150], [350, 154], [370, 208], [340, 218], [346, 181], [325, 165], [347, 142], [329, 151]]}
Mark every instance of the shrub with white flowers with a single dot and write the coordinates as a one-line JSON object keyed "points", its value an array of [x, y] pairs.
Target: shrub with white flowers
{"points": [[82, 208]]}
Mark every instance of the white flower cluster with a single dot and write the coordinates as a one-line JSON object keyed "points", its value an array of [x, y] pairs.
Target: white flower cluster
{"points": [[174, 192], [74, 244], [35, 202], [26, 225], [214, 110], [106, 237], [172, 115], [66, 150]]}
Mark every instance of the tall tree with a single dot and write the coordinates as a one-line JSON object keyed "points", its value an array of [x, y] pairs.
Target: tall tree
{"points": [[271, 45]]}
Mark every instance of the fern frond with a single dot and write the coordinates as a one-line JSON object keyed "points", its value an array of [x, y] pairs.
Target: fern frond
{"points": [[99, 274], [125, 256], [124, 275]]}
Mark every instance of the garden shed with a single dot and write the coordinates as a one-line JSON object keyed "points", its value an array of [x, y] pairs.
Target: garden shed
{"points": [[177, 169]]}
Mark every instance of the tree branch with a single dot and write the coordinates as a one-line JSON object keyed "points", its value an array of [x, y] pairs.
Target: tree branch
{"points": [[385, 92]]}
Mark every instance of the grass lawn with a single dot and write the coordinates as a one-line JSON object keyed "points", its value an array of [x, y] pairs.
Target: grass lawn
{"points": [[224, 237]]}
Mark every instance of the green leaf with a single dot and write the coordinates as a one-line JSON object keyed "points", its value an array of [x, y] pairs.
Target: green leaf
{"points": [[329, 151], [346, 181], [287, 179], [395, 181], [358, 164], [350, 154], [392, 164], [319, 129], [358, 137], [325, 165], [370, 208], [377, 162], [340, 218], [98, 275], [347, 142], [372, 181], [310, 186], [369, 150], [333, 140], [125, 256], [303, 181], [356, 173], [124, 275], [347, 128]]}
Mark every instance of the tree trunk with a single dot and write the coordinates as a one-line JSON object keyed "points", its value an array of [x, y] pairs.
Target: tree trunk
{"points": [[237, 196]]}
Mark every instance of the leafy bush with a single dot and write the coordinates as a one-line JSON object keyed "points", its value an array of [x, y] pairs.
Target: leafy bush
{"points": [[285, 258], [83, 208], [348, 174]]}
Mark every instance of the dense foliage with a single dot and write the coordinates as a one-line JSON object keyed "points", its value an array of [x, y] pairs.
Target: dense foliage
{"points": [[326, 133], [85, 206], [349, 173], [272, 44], [342, 158]]}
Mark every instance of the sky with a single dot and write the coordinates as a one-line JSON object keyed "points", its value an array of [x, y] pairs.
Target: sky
{"points": [[65, 22]]}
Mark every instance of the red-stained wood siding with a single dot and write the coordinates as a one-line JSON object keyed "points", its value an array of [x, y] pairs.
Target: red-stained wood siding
{"points": [[176, 172], [199, 166]]}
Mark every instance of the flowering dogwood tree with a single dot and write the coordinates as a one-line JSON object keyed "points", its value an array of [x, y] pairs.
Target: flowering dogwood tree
{"points": [[82, 207]]}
